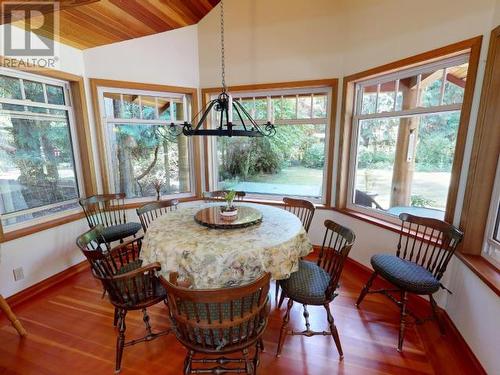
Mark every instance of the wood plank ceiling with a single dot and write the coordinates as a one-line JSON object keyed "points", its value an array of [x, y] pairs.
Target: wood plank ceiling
{"points": [[91, 23]]}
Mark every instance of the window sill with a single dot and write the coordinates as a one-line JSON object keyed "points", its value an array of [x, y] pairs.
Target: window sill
{"points": [[483, 269], [15, 234], [369, 219]]}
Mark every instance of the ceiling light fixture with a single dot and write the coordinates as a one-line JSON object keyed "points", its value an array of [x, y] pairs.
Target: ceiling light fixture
{"points": [[244, 126]]}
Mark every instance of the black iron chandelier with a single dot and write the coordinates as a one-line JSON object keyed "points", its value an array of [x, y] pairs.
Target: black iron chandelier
{"points": [[245, 125]]}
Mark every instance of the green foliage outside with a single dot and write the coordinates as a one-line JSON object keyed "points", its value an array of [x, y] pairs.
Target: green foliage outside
{"points": [[243, 158]]}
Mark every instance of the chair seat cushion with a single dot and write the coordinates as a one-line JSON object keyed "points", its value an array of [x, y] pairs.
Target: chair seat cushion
{"points": [[117, 232], [405, 274], [308, 285]]}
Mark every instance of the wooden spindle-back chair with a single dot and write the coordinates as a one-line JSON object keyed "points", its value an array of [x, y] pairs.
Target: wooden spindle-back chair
{"points": [[152, 211], [301, 208], [120, 259], [317, 283], [304, 210], [220, 322], [109, 210], [424, 249], [128, 289], [219, 195]]}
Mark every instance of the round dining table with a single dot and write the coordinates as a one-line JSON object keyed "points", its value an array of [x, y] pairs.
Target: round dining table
{"points": [[207, 258]]}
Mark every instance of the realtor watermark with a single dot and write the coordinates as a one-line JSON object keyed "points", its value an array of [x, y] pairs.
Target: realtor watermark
{"points": [[30, 31]]}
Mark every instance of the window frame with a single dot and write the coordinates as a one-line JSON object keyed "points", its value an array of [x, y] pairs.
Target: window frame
{"points": [[124, 87], [403, 113], [345, 156], [75, 147], [493, 222], [328, 86]]}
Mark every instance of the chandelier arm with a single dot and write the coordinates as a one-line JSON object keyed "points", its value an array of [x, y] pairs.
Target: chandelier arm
{"points": [[205, 114], [235, 105], [252, 121]]}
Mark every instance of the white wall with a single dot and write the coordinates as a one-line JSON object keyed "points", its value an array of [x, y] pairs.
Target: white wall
{"points": [[169, 58]]}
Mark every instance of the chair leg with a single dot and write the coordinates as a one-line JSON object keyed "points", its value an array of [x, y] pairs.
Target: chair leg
{"points": [[333, 330], [286, 319], [436, 314], [120, 340], [365, 289], [402, 324], [277, 292], [145, 318], [282, 298], [115, 317], [187, 362], [256, 358], [261, 345]]}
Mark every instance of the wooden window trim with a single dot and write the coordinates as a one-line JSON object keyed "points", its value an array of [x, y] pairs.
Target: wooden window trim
{"points": [[483, 162], [473, 46], [80, 110], [95, 83], [331, 83]]}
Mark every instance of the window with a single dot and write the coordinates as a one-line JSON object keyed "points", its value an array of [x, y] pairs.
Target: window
{"points": [[38, 175], [293, 162], [140, 156], [491, 247], [404, 134]]}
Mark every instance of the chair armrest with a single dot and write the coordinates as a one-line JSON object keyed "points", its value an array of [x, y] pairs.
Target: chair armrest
{"points": [[139, 271]]}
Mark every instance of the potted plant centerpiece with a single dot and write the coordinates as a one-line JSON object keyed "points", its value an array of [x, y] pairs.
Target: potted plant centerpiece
{"points": [[229, 210]]}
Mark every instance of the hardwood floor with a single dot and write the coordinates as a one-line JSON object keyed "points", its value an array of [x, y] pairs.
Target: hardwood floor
{"points": [[70, 332]]}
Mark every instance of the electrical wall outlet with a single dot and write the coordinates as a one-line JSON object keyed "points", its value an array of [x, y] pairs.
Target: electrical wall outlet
{"points": [[18, 273]]}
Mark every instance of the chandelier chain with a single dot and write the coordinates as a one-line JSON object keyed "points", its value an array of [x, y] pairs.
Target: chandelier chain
{"points": [[223, 65]]}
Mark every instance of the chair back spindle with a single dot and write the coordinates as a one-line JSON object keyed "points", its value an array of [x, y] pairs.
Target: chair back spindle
{"points": [[301, 208], [428, 242], [219, 320], [337, 244], [152, 211], [105, 209]]}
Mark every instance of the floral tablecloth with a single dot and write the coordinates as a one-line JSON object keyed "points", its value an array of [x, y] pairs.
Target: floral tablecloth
{"points": [[216, 258]]}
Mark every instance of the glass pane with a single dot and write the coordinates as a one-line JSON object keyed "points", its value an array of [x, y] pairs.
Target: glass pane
{"points": [[386, 97], [148, 107], [34, 91], [430, 88], [164, 109], [10, 88], [130, 106], [289, 108], [369, 99], [319, 106], [55, 94], [290, 163], [304, 106], [112, 105], [375, 160], [141, 160], [418, 179], [36, 167], [260, 109]]}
